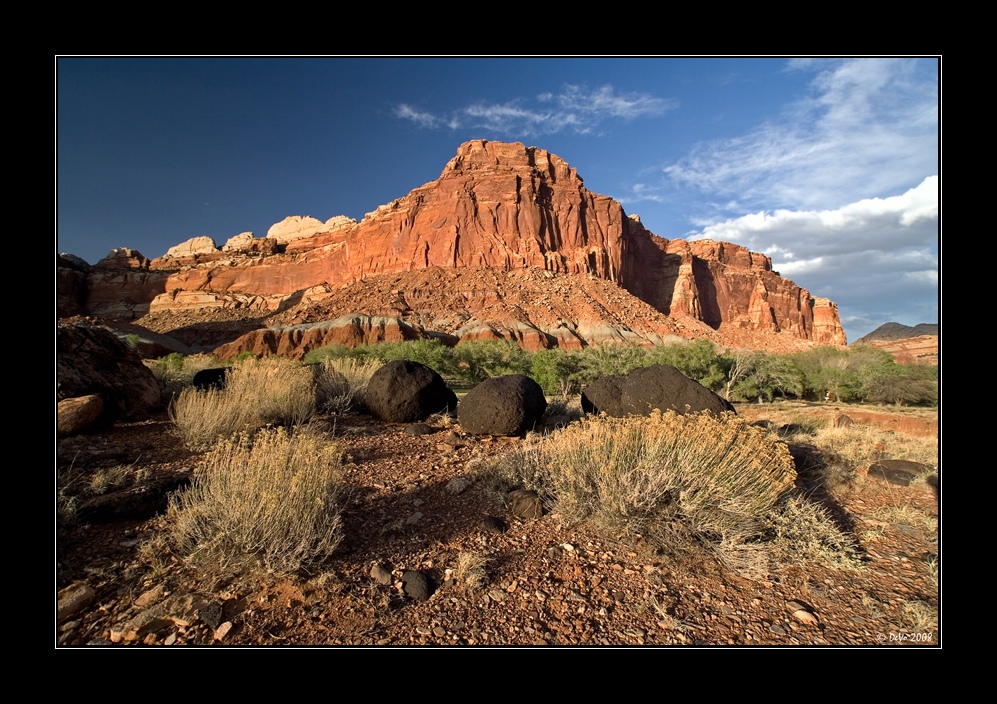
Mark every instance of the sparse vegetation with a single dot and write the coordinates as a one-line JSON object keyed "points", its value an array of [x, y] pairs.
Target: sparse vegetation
{"points": [[906, 514], [803, 531], [271, 500], [175, 372], [156, 555], [340, 383], [836, 451], [470, 570], [104, 480], [864, 444], [713, 478], [690, 487], [257, 393], [65, 498]]}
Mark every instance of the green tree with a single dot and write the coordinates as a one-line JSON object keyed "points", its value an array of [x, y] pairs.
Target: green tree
{"points": [[828, 374], [697, 360], [898, 384], [477, 360], [555, 370], [769, 376], [599, 360]]}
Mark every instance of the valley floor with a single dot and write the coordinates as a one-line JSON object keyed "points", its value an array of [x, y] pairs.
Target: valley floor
{"points": [[541, 582]]}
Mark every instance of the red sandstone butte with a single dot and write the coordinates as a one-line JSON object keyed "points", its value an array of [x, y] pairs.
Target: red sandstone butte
{"points": [[496, 206]]}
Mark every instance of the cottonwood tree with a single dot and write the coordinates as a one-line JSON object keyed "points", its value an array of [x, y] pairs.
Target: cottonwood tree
{"points": [[738, 364]]}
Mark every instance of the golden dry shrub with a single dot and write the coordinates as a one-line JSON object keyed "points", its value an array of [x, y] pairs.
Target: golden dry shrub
{"points": [[272, 500], [257, 393], [175, 372], [340, 382], [716, 476], [803, 531]]}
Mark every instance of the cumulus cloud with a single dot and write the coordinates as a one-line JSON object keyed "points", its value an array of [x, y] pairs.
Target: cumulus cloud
{"points": [[868, 125], [575, 108], [871, 224], [877, 255]]}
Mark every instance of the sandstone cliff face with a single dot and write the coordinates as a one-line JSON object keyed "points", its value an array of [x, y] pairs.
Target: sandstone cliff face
{"points": [[506, 207], [70, 285], [827, 324], [121, 285], [298, 340]]}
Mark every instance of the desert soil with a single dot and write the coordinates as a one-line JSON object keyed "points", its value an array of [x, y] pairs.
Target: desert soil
{"points": [[546, 581]]}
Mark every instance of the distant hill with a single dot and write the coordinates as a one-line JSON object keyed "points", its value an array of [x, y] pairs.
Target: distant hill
{"points": [[897, 331], [908, 345]]}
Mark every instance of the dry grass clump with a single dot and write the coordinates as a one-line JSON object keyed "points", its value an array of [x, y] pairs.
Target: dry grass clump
{"points": [[712, 477], [803, 531], [340, 383], [863, 445], [920, 620], [274, 500], [116, 477], [471, 570], [65, 497], [270, 391], [175, 372]]}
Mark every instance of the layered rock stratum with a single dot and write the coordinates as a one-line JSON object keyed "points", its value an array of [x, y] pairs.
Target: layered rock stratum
{"points": [[506, 244], [916, 344]]}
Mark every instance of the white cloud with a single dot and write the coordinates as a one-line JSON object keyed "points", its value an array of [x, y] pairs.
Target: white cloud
{"points": [[575, 108], [887, 225], [605, 101], [419, 117], [868, 127], [877, 258]]}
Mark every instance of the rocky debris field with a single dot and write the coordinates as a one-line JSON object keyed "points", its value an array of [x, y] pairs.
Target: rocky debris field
{"points": [[433, 556]]}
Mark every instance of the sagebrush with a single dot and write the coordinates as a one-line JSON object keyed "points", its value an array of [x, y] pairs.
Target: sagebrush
{"points": [[270, 499], [714, 476], [257, 393], [175, 372], [340, 383], [804, 532]]}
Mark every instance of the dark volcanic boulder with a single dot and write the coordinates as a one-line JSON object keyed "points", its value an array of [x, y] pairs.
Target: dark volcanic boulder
{"points": [[603, 394], [211, 378], [403, 391], [659, 387], [92, 360], [665, 388], [505, 405], [417, 585]]}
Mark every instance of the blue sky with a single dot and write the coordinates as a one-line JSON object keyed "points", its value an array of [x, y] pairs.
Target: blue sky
{"points": [[827, 165]]}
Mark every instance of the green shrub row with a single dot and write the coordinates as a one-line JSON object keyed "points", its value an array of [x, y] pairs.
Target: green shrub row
{"points": [[862, 374], [858, 375]]}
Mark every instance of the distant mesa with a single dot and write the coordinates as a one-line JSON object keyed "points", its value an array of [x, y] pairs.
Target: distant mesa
{"points": [[506, 244], [898, 331], [916, 344]]}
